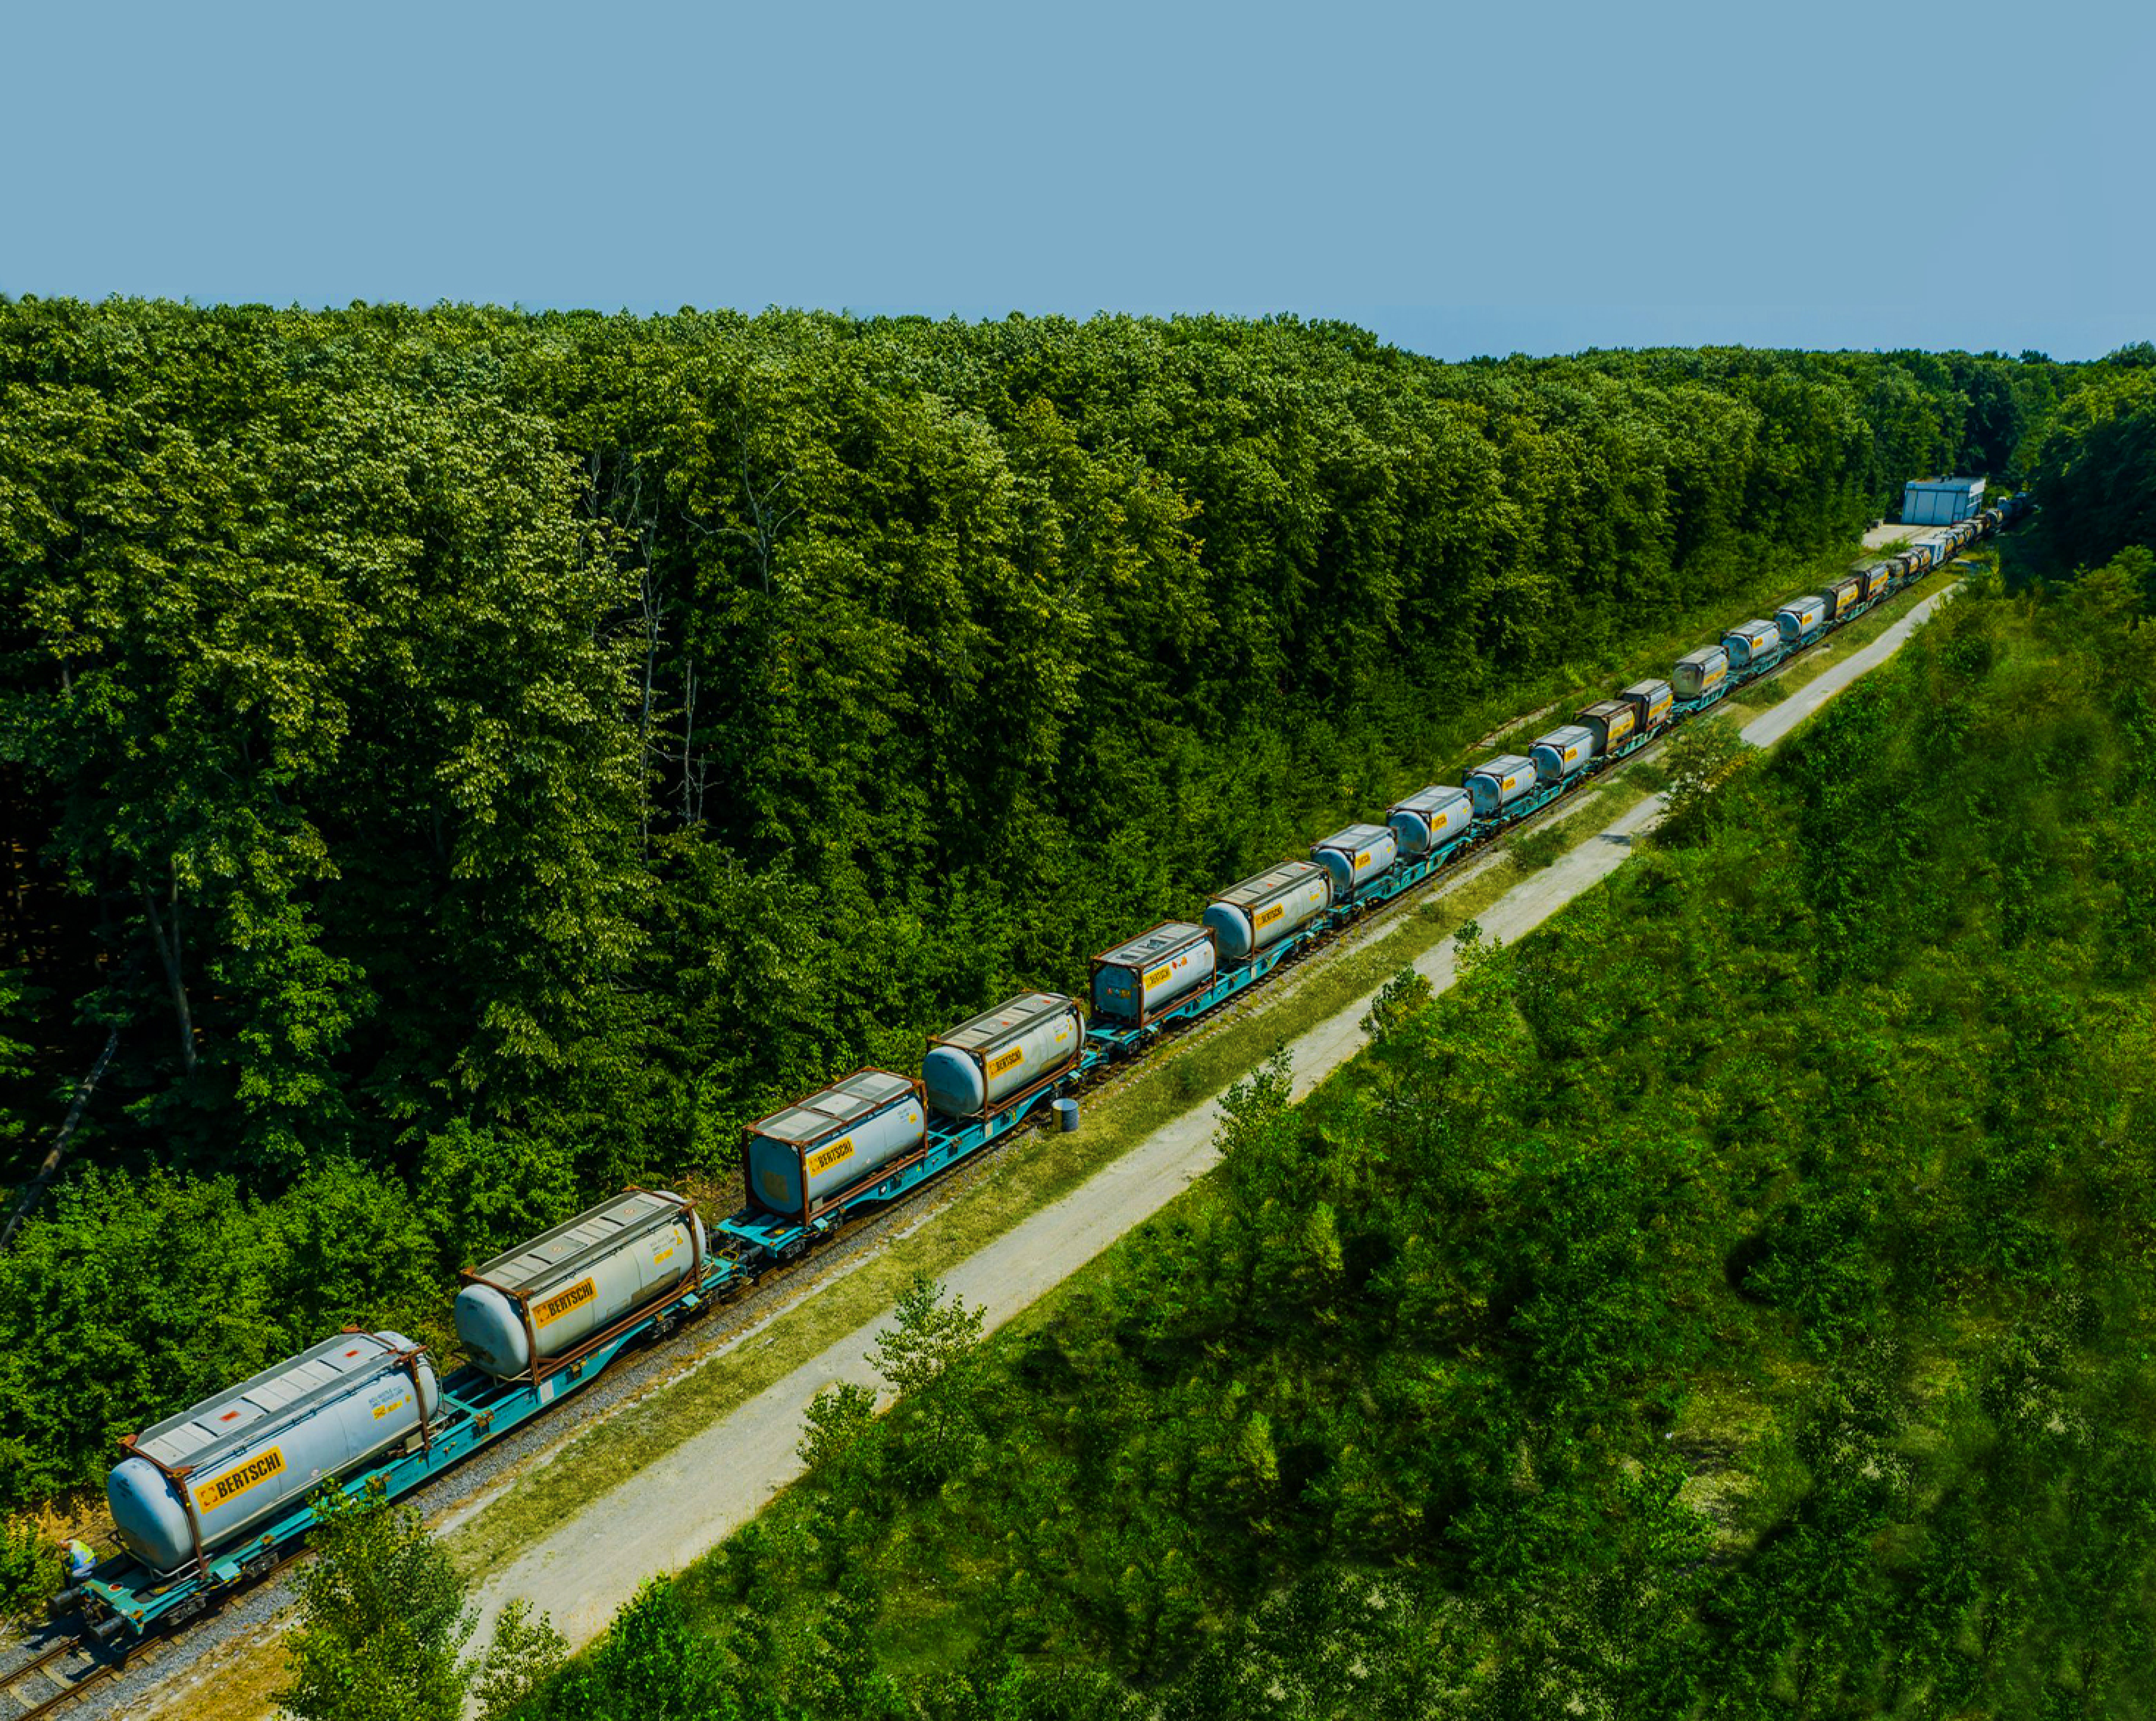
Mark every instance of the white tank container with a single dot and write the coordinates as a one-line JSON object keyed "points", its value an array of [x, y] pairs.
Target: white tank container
{"points": [[1749, 641], [1652, 700], [1497, 783], [1800, 619], [1262, 910], [1430, 818], [1610, 721], [1562, 752], [547, 1297], [1021, 1043], [1138, 978], [795, 1160], [256, 1450], [1700, 673], [1351, 857], [1877, 579]]}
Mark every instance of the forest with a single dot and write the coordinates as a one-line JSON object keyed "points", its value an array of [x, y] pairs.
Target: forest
{"points": [[455, 762], [1731, 1301]]}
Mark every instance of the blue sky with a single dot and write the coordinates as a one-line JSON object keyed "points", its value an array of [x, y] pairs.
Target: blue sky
{"points": [[1462, 179]]}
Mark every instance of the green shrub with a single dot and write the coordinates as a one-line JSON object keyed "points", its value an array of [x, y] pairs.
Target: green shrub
{"points": [[31, 1568]]}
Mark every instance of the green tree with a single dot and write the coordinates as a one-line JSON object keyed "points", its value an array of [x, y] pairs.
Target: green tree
{"points": [[930, 1340], [651, 1662], [929, 1357], [523, 1659], [1697, 763], [835, 1422], [382, 1619]]}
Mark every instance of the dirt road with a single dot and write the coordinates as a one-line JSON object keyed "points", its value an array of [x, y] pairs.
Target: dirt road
{"points": [[674, 1510]]}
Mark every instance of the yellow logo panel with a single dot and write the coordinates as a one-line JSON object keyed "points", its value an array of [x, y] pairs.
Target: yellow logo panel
{"points": [[826, 1158], [220, 1490], [584, 1291], [1006, 1060]]}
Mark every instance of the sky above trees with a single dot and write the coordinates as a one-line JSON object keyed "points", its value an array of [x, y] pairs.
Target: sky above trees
{"points": [[1462, 180]]}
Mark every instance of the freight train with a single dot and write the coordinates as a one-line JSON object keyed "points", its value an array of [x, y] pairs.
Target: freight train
{"points": [[216, 1495]]}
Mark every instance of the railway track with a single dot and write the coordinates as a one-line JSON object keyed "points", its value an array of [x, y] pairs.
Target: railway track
{"points": [[55, 1678]]}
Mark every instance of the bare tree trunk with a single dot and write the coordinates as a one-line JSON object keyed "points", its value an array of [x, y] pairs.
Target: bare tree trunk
{"points": [[34, 1191], [765, 538], [655, 611], [692, 793], [169, 955]]}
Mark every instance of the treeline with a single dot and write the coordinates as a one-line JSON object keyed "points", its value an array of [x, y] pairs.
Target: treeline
{"points": [[1731, 1301], [2093, 465], [460, 761]]}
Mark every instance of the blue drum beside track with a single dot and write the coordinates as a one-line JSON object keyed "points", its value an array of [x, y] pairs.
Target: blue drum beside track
{"points": [[1023, 1042]]}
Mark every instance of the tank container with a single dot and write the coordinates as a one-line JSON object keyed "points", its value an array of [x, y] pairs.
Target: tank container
{"points": [[1495, 783], [795, 1160], [1699, 672], [1800, 619], [1353, 857], [1563, 751], [1749, 642], [1430, 818], [1652, 700], [1022, 1043], [256, 1450], [1262, 910], [1843, 595], [1877, 579], [1610, 722], [1135, 980], [547, 1297]]}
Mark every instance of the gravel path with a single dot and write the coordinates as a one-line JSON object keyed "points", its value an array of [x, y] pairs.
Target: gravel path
{"points": [[709, 1486]]}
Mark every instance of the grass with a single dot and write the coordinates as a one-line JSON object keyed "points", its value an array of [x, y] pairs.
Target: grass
{"points": [[1770, 692], [239, 1687], [1537, 849]]}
